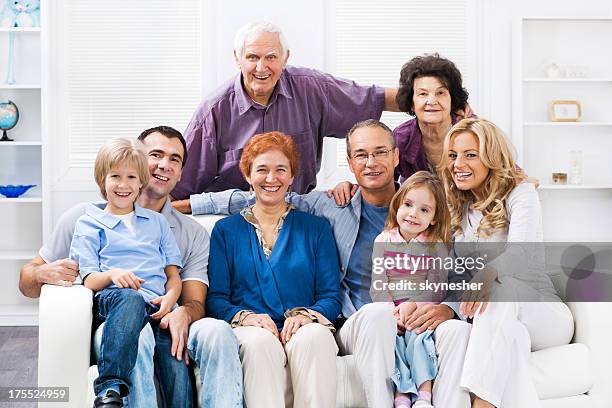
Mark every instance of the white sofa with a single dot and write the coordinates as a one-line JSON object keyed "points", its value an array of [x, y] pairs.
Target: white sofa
{"points": [[573, 375]]}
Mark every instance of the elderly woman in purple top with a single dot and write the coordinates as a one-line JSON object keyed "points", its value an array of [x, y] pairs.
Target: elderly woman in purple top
{"points": [[431, 90]]}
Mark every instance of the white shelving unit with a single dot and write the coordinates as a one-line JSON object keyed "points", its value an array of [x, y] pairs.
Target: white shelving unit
{"points": [[17, 255], [568, 80], [21, 200], [574, 187], [567, 124], [571, 212], [20, 86], [20, 29], [22, 163]]}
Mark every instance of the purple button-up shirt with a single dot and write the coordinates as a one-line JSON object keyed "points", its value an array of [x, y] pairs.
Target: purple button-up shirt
{"points": [[306, 104], [409, 141]]}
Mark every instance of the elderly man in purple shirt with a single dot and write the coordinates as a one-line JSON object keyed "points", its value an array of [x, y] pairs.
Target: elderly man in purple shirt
{"points": [[268, 95]]}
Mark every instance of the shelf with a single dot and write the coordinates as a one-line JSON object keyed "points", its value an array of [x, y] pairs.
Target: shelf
{"points": [[572, 80], [563, 18], [20, 200], [20, 29], [567, 124], [17, 143], [574, 187], [17, 255], [19, 86], [18, 315]]}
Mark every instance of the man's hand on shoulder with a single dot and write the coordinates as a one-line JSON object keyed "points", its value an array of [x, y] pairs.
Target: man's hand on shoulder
{"points": [[183, 206], [343, 192], [466, 112]]}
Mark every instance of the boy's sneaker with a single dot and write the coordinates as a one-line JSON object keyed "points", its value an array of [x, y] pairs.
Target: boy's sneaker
{"points": [[422, 404], [111, 399]]}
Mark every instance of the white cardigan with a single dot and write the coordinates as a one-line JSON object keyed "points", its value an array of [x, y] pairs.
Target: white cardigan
{"points": [[523, 255]]}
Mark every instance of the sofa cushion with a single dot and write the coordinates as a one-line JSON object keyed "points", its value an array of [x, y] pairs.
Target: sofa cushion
{"points": [[558, 372], [562, 371], [577, 401]]}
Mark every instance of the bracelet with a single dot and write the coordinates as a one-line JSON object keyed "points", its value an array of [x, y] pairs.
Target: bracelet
{"points": [[243, 315], [298, 311]]}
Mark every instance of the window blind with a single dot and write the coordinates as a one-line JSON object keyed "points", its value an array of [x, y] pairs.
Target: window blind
{"points": [[130, 65]]}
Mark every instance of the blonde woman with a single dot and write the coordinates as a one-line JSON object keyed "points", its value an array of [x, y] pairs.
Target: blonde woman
{"points": [[489, 204]]}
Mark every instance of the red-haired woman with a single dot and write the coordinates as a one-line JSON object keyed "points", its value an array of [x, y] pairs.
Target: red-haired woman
{"points": [[274, 276]]}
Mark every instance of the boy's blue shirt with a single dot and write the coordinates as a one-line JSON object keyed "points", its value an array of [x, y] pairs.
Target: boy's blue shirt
{"points": [[102, 242]]}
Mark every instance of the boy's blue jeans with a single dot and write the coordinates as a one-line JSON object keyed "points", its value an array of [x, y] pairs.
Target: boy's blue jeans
{"points": [[154, 347], [124, 313]]}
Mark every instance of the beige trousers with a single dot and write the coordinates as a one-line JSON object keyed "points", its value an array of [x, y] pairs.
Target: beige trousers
{"points": [[369, 335], [301, 373]]}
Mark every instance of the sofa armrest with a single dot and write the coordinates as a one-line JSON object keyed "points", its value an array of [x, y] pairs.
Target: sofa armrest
{"points": [[207, 221], [64, 339], [592, 328]]}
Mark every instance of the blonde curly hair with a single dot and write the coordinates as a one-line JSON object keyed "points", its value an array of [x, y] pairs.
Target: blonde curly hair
{"points": [[496, 153]]}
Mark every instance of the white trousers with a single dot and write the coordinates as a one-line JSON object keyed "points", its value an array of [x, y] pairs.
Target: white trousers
{"points": [[451, 338], [496, 366], [369, 335], [300, 374]]}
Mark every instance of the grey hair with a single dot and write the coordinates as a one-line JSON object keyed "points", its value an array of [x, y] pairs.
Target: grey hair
{"points": [[369, 123], [254, 29]]}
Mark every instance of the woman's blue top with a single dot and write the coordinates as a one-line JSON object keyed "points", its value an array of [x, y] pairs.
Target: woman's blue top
{"points": [[303, 269]]}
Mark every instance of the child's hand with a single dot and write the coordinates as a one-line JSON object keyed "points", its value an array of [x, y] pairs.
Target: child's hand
{"points": [[401, 329], [165, 304], [343, 192], [125, 279], [404, 311]]}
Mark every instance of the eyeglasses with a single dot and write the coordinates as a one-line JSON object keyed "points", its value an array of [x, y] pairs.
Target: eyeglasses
{"points": [[377, 155]]}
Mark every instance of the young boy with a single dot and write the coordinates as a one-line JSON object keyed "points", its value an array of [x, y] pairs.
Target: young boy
{"points": [[129, 257]]}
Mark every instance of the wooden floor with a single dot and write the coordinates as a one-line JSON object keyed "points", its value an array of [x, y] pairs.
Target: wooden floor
{"points": [[18, 360]]}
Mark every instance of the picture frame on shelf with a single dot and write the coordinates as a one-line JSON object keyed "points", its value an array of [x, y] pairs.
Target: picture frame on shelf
{"points": [[564, 111]]}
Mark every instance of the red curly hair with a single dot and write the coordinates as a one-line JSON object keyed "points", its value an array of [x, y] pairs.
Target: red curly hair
{"points": [[264, 142]]}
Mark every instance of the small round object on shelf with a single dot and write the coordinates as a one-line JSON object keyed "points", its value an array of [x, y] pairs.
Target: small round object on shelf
{"points": [[9, 116], [11, 191]]}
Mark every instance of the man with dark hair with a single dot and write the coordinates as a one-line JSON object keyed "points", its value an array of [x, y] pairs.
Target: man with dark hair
{"points": [[170, 133], [210, 342]]}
